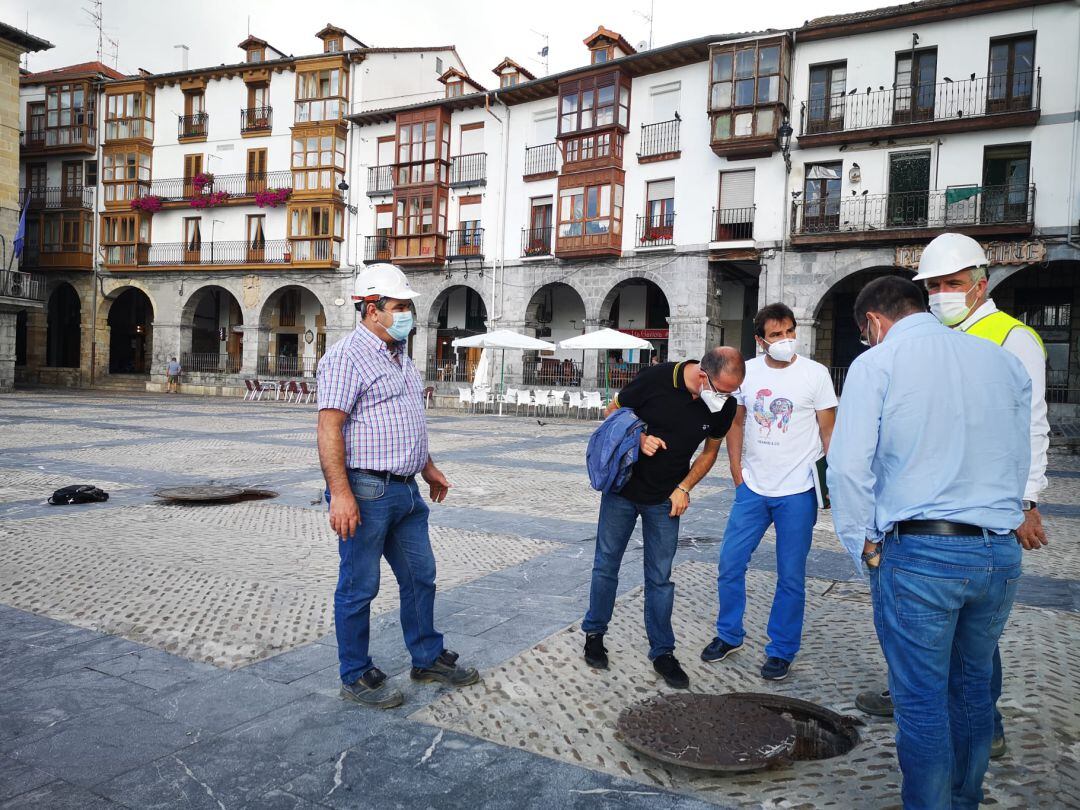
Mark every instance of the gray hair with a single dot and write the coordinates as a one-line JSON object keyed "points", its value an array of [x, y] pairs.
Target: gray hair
{"points": [[723, 359], [978, 274]]}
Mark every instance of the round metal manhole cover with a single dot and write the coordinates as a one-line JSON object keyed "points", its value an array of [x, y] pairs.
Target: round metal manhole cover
{"points": [[200, 494], [737, 732]]}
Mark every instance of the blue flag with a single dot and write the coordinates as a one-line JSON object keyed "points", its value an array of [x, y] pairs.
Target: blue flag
{"points": [[20, 232]]}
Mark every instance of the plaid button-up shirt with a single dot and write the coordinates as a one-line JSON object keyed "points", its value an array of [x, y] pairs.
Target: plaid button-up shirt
{"points": [[386, 429]]}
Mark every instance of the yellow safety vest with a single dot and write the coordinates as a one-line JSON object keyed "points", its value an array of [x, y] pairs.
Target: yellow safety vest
{"points": [[996, 327]]}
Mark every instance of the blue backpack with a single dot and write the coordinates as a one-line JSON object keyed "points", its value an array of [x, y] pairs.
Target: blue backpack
{"points": [[613, 450]]}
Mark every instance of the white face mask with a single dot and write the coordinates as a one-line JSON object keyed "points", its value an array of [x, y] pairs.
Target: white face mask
{"points": [[782, 350], [950, 307], [714, 401]]}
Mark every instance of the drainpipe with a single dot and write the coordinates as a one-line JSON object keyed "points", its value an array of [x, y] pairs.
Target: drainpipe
{"points": [[784, 201], [500, 259]]}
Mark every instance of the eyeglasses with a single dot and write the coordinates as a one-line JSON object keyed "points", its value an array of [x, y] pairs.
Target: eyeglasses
{"points": [[736, 392]]}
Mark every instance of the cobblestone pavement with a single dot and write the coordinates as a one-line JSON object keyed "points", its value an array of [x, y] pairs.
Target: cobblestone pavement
{"points": [[162, 656]]}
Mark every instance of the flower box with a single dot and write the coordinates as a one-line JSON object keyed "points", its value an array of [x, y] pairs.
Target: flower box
{"points": [[272, 197], [148, 203], [211, 200]]}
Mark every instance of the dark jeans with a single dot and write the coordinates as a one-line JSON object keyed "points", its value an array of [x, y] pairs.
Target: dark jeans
{"points": [[395, 526], [618, 516], [940, 605]]}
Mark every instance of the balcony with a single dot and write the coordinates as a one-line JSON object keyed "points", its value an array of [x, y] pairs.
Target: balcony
{"points": [[465, 244], [21, 286], [377, 249], [419, 250], [123, 129], [656, 231], [380, 180], [73, 138], [179, 189], [535, 242], [468, 170], [256, 120], [325, 252], [63, 256], [733, 224], [868, 218], [166, 254], [541, 162], [930, 109], [659, 141], [193, 127], [58, 197]]}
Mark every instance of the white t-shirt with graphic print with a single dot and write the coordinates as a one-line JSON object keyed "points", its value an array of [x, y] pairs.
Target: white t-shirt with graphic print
{"points": [[781, 439]]}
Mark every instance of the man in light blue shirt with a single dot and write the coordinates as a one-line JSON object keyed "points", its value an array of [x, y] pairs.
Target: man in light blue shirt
{"points": [[927, 468]]}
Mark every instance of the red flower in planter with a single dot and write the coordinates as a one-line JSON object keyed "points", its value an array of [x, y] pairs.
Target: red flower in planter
{"points": [[211, 200], [272, 197], [150, 203], [202, 180]]}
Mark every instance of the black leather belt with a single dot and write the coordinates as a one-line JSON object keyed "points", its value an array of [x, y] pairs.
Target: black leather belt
{"points": [[937, 527], [401, 479]]}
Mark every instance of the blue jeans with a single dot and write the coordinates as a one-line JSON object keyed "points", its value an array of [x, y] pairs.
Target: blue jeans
{"points": [[394, 525], [794, 517], [618, 516], [940, 604]]}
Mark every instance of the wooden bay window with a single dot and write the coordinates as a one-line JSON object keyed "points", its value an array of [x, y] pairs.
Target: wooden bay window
{"points": [[590, 208], [318, 159], [125, 238], [748, 93], [125, 176], [315, 232], [320, 95], [129, 115]]}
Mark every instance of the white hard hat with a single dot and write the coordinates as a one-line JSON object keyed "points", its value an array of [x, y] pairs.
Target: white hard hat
{"points": [[382, 281], [950, 253]]}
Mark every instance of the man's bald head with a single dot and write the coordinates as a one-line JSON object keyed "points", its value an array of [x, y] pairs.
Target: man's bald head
{"points": [[725, 367]]}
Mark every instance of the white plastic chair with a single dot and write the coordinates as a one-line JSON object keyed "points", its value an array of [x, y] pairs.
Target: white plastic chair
{"points": [[525, 399], [556, 402], [573, 403], [510, 397], [593, 401], [480, 397], [540, 401]]}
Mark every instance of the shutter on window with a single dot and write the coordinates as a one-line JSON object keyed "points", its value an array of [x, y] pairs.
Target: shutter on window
{"points": [[661, 190], [737, 189]]}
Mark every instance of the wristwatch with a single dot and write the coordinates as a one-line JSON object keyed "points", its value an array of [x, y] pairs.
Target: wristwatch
{"points": [[1027, 505], [867, 556]]}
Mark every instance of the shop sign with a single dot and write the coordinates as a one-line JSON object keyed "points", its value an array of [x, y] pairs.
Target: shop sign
{"points": [[647, 334], [997, 253]]}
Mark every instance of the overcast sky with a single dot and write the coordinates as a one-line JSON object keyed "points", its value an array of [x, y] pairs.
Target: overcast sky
{"points": [[484, 30]]}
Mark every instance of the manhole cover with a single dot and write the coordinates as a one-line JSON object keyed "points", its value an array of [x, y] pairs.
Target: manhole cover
{"points": [[735, 732], [213, 494]]}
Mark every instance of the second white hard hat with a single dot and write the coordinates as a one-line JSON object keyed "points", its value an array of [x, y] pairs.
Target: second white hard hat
{"points": [[382, 280], [950, 253]]}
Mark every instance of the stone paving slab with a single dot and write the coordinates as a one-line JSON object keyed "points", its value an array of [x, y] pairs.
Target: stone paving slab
{"points": [[547, 700]]}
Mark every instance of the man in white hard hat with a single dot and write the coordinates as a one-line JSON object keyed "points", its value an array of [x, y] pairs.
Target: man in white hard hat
{"points": [[372, 444], [953, 267]]}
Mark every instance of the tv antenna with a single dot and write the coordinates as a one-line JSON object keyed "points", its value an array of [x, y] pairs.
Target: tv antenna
{"points": [[544, 51], [648, 18], [97, 17]]}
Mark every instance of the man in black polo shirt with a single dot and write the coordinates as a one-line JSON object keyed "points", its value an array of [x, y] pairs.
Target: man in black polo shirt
{"points": [[682, 404]]}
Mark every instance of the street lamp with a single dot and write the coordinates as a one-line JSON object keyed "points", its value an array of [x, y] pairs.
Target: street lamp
{"points": [[783, 136]]}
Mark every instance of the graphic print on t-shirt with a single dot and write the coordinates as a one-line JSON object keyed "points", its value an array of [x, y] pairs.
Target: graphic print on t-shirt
{"points": [[777, 413]]}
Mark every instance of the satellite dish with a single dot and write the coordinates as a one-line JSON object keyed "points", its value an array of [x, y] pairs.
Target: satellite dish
{"points": [[643, 46]]}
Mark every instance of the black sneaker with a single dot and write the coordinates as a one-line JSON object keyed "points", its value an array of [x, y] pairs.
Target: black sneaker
{"points": [[878, 704], [446, 671], [668, 667], [718, 650], [371, 690], [595, 651], [775, 669]]}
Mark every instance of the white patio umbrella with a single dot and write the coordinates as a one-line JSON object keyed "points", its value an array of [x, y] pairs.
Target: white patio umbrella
{"points": [[503, 339], [483, 370], [605, 340]]}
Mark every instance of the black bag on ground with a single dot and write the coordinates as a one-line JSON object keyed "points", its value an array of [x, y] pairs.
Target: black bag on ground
{"points": [[78, 493]]}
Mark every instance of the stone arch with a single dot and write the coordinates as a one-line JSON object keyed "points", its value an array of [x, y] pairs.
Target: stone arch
{"points": [[292, 331], [130, 319], [440, 295], [555, 311], [600, 307], [836, 337], [211, 323], [108, 297], [457, 310], [637, 303], [63, 335]]}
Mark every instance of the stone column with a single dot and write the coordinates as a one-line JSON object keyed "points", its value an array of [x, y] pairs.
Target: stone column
{"points": [[424, 345], [688, 337], [592, 365], [37, 335], [515, 358], [254, 335], [7, 349]]}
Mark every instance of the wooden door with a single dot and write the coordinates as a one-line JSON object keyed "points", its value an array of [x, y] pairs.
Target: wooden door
{"points": [[193, 165], [916, 91], [1011, 78], [256, 170], [256, 238], [37, 178], [192, 248], [71, 185]]}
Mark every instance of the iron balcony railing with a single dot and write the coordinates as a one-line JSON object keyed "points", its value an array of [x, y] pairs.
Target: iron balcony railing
{"points": [[270, 251], [17, 284], [535, 242], [452, 368], [378, 248], [193, 126], [314, 250], [468, 170], [551, 371], [58, 197], [656, 231], [659, 139], [257, 119], [733, 224], [944, 101], [463, 244], [620, 373], [208, 363], [236, 185], [380, 180], [543, 159], [279, 365], [956, 206]]}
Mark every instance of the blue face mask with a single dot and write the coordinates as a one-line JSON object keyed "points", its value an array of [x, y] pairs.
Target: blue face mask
{"points": [[402, 325]]}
